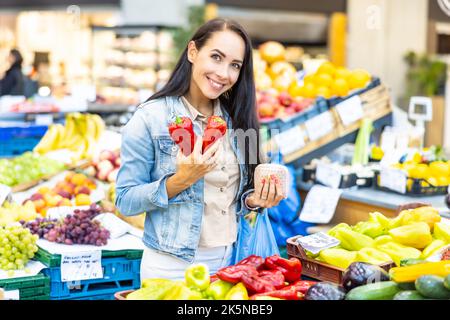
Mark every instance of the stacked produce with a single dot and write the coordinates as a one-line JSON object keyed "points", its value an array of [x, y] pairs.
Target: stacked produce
{"points": [[106, 166], [414, 280], [27, 167], [253, 278], [18, 245], [80, 135], [76, 228], [76, 188], [416, 233], [12, 212], [436, 173]]}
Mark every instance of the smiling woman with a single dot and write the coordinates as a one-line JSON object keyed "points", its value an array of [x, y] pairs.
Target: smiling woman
{"points": [[195, 199]]}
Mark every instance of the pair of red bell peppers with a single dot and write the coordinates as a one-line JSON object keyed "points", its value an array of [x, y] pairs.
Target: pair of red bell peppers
{"points": [[182, 133]]}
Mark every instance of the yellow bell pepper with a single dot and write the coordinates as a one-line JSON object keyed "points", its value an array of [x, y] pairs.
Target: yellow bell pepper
{"points": [[332, 231], [338, 257], [383, 239], [415, 235], [397, 251], [432, 248], [429, 215], [372, 256], [380, 218], [411, 273], [398, 221], [353, 241], [442, 231], [181, 292], [370, 228], [238, 292]]}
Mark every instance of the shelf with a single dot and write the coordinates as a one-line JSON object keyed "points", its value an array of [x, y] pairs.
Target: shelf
{"points": [[109, 108]]}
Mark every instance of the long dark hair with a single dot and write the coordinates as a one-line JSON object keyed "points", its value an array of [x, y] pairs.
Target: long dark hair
{"points": [[17, 58], [239, 101]]}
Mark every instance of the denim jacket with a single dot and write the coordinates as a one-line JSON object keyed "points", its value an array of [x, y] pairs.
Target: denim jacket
{"points": [[148, 156]]}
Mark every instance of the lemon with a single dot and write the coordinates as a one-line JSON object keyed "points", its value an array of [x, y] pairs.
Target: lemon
{"points": [[308, 79], [342, 73], [417, 158], [433, 181], [358, 79], [323, 80], [327, 67], [309, 90], [443, 181], [439, 169], [295, 90], [323, 92], [340, 88]]}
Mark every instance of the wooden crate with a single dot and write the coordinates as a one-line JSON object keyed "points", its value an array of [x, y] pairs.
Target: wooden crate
{"points": [[317, 269]]}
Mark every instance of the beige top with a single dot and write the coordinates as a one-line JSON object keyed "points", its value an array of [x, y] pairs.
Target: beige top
{"points": [[219, 224]]}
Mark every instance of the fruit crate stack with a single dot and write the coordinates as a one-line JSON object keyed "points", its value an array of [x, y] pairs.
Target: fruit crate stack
{"points": [[30, 288], [121, 271]]}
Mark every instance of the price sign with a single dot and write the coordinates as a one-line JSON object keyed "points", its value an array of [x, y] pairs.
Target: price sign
{"points": [[393, 179], [12, 295], [290, 140], [317, 242], [5, 191], [319, 126], [350, 110], [44, 119], [79, 266], [320, 204], [328, 175]]}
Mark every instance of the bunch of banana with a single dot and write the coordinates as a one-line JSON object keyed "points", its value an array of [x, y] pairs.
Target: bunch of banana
{"points": [[80, 135]]}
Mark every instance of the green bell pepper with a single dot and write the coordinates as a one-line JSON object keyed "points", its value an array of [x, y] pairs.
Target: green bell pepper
{"points": [[218, 289]]}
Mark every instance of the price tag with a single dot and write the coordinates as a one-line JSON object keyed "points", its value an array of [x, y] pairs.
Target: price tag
{"points": [[290, 140], [43, 119], [320, 204], [62, 212], [319, 126], [393, 179], [328, 175], [5, 191], [116, 226], [350, 110], [12, 295], [79, 266], [317, 242]]}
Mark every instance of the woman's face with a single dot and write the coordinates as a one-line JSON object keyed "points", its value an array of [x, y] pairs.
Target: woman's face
{"points": [[11, 59], [216, 66]]}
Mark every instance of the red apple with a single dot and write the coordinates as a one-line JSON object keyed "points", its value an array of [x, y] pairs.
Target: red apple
{"points": [[118, 162], [285, 99], [112, 175], [91, 171], [105, 165], [106, 155], [266, 110]]}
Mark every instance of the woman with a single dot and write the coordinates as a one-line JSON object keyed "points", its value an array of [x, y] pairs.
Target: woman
{"points": [[193, 202], [12, 82]]}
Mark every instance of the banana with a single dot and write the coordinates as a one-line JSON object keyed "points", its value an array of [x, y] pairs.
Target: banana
{"points": [[60, 134], [69, 129], [47, 142], [91, 147], [100, 125]]}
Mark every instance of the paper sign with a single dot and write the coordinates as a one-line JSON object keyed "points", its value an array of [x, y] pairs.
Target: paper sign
{"points": [[318, 242], [44, 119], [5, 191], [290, 140], [79, 266], [62, 212], [116, 226], [328, 175], [319, 126], [320, 204], [12, 295], [350, 110], [393, 179]]}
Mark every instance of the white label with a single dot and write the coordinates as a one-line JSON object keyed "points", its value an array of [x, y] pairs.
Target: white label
{"points": [[350, 110], [393, 179], [290, 140], [44, 119], [319, 126], [328, 175], [81, 266], [5, 191], [62, 212], [12, 295], [317, 242], [116, 226], [320, 204]]}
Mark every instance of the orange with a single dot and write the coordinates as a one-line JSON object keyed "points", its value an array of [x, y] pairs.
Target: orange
{"points": [[323, 80], [323, 92], [82, 200], [340, 88], [359, 79], [328, 68], [78, 179]]}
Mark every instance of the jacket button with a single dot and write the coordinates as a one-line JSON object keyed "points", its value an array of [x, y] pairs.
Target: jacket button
{"points": [[223, 168], [224, 212], [174, 148], [222, 189]]}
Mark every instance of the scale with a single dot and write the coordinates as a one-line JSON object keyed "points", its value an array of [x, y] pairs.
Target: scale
{"points": [[420, 110]]}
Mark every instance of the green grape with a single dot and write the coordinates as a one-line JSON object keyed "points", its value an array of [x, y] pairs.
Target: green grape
{"points": [[19, 247]]}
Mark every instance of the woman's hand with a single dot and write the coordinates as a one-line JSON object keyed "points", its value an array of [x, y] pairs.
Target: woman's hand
{"points": [[268, 196], [193, 167]]}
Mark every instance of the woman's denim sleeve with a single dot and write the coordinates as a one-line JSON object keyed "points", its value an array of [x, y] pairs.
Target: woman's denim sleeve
{"points": [[135, 190]]}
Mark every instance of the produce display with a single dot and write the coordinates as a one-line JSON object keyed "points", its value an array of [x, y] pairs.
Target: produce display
{"points": [[80, 134], [18, 246], [106, 166], [436, 173], [76, 228], [75, 189], [415, 233], [26, 168], [12, 212]]}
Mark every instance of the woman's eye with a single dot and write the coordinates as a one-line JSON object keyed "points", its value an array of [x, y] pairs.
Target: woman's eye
{"points": [[236, 66], [216, 57]]}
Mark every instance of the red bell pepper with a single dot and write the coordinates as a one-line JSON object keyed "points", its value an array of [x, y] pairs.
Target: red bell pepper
{"points": [[256, 284], [302, 285], [213, 278], [291, 269], [253, 260], [234, 273], [215, 129], [182, 133], [275, 277], [288, 293]]}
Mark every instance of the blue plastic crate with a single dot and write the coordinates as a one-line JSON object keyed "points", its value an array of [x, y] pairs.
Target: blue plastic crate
{"points": [[374, 83], [17, 138], [281, 125], [118, 274], [109, 296]]}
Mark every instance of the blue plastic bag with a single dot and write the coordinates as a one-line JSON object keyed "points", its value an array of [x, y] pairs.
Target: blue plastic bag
{"points": [[258, 240]]}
